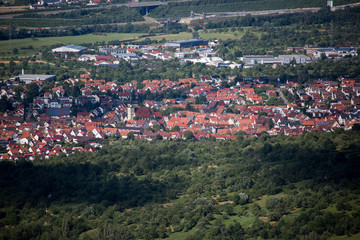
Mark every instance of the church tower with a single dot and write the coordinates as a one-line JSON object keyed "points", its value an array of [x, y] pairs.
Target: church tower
{"points": [[130, 112], [330, 4]]}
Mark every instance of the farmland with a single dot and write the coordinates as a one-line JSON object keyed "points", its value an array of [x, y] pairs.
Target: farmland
{"points": [[6, 47]]}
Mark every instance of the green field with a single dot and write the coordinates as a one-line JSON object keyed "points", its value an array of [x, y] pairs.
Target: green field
{"points": [[6, 47], [221, 36]]}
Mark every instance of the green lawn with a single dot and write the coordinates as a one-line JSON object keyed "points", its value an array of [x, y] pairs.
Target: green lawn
{"points": [[6, 47]]}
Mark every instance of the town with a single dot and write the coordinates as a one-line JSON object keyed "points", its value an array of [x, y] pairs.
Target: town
{"points": [[179, 119], [80, 113]]}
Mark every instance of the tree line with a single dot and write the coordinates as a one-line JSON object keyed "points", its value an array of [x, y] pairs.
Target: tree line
{"points": [[183, 9], [323, 16]]}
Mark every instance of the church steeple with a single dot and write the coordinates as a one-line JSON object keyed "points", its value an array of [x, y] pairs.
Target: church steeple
{"points": [[130, 112]]}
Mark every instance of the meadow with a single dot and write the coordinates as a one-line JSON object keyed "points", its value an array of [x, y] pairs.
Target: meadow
{"points": [[7, 47]]}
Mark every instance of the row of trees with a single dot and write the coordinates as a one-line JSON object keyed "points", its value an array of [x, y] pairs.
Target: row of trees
{"points": [[323, 16]]}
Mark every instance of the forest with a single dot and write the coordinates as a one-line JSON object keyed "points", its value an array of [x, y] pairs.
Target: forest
{"points": [[303, 187]]}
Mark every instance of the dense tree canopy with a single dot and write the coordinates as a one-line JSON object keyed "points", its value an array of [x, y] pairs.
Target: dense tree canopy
{"points": [[156, 189]]}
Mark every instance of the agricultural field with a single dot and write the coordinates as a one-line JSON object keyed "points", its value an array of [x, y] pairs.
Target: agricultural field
{"points": [[7, 47], [11, 9], [221, 36]]}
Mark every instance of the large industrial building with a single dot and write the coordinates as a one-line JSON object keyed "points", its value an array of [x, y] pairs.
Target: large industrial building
{"points": [[334, 52], [69, 49], [253, 60], [187, 43], [28, 78]]}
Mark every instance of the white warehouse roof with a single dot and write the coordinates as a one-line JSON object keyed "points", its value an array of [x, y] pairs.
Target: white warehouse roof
{"points": [[28, 78], [69, 48]]}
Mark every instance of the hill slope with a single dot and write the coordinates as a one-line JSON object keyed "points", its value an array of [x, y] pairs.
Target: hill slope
{"points": [[302, 187]]}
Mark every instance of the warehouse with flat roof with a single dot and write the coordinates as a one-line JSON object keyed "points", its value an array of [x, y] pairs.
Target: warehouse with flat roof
{"points": [[187, 43], [71, 48], [28, 78]]}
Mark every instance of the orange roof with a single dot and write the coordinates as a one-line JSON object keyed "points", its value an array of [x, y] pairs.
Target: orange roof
{"points": [[308, 122]]}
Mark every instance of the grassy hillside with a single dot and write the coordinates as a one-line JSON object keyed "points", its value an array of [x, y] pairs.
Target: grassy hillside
{"points": [[303, 187]]}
